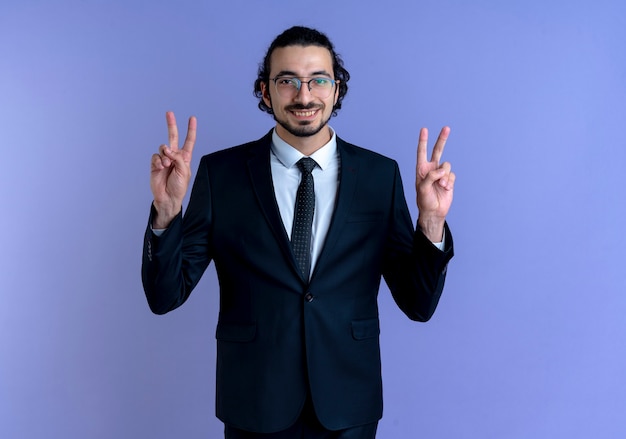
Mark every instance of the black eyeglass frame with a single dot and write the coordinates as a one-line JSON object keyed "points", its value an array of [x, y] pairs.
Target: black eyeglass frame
{"points": [[298, 81]]}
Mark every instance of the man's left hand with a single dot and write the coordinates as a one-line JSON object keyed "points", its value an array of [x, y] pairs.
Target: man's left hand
{"points": [[434, 186]]}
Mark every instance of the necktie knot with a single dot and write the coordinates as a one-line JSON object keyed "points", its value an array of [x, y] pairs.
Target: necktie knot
{"points": [[306, 165]]}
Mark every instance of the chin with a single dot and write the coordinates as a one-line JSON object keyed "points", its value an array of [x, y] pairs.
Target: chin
{"points": [[304, 129]]}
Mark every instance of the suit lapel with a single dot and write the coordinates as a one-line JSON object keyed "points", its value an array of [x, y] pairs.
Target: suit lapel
{"points": [[259, 169], [347, 185]]}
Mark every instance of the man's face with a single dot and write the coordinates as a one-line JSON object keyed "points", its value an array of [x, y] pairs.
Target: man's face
{"points": [[305, 113]]}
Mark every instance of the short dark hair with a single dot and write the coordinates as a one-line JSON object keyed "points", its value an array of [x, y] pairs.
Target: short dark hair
{"points": [[301, 36]]}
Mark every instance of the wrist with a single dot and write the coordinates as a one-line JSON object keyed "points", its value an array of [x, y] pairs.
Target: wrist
{"points": [[432, 228], [164, 215]]}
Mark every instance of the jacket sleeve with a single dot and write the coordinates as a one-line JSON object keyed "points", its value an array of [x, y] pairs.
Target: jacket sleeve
{"points": [[413, 268], [174, 262]]}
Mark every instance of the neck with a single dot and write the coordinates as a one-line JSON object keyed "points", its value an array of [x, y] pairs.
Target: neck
{"points": [[307, 145]]}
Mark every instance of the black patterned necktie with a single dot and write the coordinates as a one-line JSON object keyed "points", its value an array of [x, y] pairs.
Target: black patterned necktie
{"points": [[303, 217]]}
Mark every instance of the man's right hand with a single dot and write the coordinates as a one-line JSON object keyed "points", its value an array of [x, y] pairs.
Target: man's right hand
{"points": [[170, 172]]}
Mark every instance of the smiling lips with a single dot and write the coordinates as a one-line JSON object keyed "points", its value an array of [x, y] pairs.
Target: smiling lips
{"points": [[308, 113], [304, 112]]}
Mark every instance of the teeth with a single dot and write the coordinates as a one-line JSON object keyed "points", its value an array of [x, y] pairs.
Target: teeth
{"points": [[304, 113]]}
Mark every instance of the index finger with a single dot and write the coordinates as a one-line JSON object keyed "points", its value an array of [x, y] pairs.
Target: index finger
{"points": [[172, 130], [422, 145], [439, 145], [190, 140]]}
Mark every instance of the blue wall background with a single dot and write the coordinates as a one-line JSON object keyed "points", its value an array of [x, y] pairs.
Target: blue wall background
{"points": [[528, 340]]}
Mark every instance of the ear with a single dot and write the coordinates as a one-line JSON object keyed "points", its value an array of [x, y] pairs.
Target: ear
{"points": [[265, 91]]}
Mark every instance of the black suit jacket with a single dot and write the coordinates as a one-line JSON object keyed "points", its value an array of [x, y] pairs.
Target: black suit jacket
{"points": [[280, 336]]}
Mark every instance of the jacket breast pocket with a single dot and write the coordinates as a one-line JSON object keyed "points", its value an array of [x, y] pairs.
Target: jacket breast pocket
{"points": [[235, 332], [364, 217], [364, 329]]}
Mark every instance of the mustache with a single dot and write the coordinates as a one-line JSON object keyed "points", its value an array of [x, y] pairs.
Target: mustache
{"points": [[300, 107]]}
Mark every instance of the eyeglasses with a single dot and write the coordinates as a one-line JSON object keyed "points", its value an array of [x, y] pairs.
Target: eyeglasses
{"points": [[289, 86]]}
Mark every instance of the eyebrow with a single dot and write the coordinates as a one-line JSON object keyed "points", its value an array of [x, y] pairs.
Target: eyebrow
{"points": [[290, 73]]}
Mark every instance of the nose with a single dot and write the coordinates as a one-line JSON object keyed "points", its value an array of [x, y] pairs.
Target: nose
{"points": [[304, 94]]}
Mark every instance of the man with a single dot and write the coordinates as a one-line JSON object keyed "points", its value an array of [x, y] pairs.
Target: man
{"points": [[299, 247]]}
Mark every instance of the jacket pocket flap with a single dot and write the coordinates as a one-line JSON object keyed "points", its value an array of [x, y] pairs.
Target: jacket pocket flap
{"points": [[362, 329], [235, 332]]}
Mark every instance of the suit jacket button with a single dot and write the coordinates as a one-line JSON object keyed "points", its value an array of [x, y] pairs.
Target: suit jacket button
{"points": [[309, 297]]}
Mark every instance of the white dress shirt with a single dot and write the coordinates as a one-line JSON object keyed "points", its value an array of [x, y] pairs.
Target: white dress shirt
{"points": [[286, 178]]}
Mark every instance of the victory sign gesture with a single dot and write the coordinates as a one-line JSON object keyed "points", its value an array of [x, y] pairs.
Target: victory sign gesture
{"points": [[434, 186], [170, 172]]}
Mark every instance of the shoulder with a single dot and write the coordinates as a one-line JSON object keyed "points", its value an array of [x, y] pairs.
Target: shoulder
{"points": [[240, 152], [349, 151]]}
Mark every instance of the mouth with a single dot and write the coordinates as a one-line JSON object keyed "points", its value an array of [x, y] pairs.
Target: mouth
{"points": [[304, 114]]}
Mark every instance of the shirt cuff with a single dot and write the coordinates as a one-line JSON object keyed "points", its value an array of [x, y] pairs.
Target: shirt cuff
{"points": [[159, 232], [440, 245]]}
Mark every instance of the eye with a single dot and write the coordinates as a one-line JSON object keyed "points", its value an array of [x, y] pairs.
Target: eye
{"points": [[287, 82], [321, 82]]}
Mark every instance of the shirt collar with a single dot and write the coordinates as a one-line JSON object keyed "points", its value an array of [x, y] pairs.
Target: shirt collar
{"points": [[288, 155]]}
